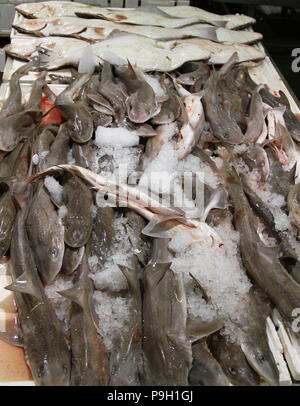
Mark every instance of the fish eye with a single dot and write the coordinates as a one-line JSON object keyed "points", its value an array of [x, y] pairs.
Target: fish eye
{"points": [[54, 253], [65, 370], [261, 358], [232, 371]]}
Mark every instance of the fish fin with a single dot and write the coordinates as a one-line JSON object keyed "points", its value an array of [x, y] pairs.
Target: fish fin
{"points": [[131, 277], [13, 332], [75, 294], [47, 59], [158, 275], [217, 200], [23, 284], [200, 329], [158, 228], [205, 295], [283, 99], [292, 173]]}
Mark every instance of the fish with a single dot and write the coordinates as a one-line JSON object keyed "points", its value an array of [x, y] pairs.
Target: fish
{"points": [[78, 220], [82, 154], [141, 102], [170, 110], [233, 361], [72, 259], [140, 244], [217, 109], [46, 235], [42, 145], [220, 53], [89, 354], [193, 125], [35, 98], [167, 349], [12, 127], [59, 148], [206, 370], [293, 204], [144, 53], [79, 125], [9, 161], [192, 73], [8, 213], [231, 21], [257, 160], [256, 120], [46, 350], [13, 104], [275, 281], [126, 363], [95, 30]]}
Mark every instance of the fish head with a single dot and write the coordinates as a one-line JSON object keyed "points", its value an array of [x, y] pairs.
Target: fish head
{"points": [[140, 112], [261, 360], [51, 372]]}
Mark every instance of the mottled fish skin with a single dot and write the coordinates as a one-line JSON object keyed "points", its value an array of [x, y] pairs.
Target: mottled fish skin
{"points": [[82, 154], [46, 350], [293, 202], [170, 109], [256, 120], [42, 145], [134, 227], [276, 172], [206, 370], [8, 162], [257, 160], [7, 218], [233, 361], [167, 349], [46, 235], [35, 98], [218, 110], [72, 258], [78, 220], [274, 280], [79, 125], [141, 102], [194, 74], [89, 355], [102, 235]]}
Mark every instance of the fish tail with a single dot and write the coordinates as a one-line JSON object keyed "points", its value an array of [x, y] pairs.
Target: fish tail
{"points": [[47, 59]]}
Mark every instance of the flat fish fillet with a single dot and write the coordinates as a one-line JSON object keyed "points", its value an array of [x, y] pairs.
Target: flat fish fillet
{"points": [[93, 30], [231, 21], [146, 54]]}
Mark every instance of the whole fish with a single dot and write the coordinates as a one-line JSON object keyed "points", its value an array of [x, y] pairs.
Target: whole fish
{"points": [[78, 220], [206, 370], [46, 350], [167, 349], [79, 125], [127, 361], [141, 103], [95, 30], [72, 259], [145, 53], [217, 109], [233, 361], [46, 235], [274, 280], [89, 355], [7, 218]]}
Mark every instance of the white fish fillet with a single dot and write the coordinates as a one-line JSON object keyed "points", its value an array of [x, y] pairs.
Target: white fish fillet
{"points": [[146, 54], [220, 53], [94, 29], [231, 21], [125, 15]]}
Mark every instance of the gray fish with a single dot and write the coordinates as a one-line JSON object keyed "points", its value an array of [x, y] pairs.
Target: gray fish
{"points": [[274, 280], [134, 227], [8, 162], [141, 103], [256, 120], [59, 149], [127, 361], [217, 108], [79, 125], [46, 235], [12, 127], [233, 361], [78, 221], [82, 154], [42, 147], [35, 98], [7, 218], [113, 92], [206, 370], [256, 159], [276, 172], [89, 355], [167, 349], [102, 235], [72, 259], [194, 73], [13, 104], [46, 350], [101, 119], [170, 109]]}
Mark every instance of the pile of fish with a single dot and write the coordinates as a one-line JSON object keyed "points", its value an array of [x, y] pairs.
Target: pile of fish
{"points": [[123, 273]]}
